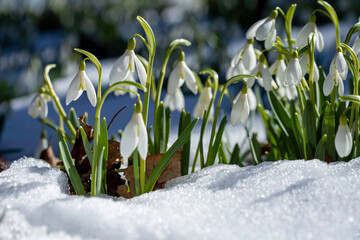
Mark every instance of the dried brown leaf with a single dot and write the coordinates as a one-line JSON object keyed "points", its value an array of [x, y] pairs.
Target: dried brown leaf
{"points": [[48, 156]]}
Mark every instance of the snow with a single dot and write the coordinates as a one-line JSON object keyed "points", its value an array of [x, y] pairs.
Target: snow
{"points": [[274, 200]]}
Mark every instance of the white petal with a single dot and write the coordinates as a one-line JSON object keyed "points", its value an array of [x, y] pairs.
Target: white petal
{"points": [[264, 29], [343, 141], [269, 41], [252, 30], [120, 70], [175, 101], [90, 90], [293, 72], [143, 137], [304, 63], [341, 88], [203, 102], [240, 110], [316, 73], [250, 82], [174, 79], [328, 84], [319, 40], [236, 57], [249, 57], [140, 71], [303, 36], [74, 91], [190, 79], [129, 139], [291, 92], [340, 62], [34, 109], [356, 46], [43, 106], [251, 99], [267, 79]]}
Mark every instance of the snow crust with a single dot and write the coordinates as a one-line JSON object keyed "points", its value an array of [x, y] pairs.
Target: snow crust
{"points": [[274, 200]]}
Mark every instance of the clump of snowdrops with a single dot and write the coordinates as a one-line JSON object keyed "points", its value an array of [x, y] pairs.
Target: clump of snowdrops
{"points": [[310, 116]]}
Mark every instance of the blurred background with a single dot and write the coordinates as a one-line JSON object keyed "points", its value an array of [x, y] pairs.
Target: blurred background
{"points": [[34, 33]]}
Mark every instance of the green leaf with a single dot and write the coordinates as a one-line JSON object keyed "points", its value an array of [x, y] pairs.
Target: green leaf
{"points": [[352, 98], [321, 148], [280, 112], [289, 17], [103, 143], [214, 150], [149, 33], [99, 171], [91, 57], [328, 128], [159, 129], [74, 118], [309, 124], [298, 134], [168, 128], [158, 169], [151, 147], [235, 155], [86, 145], [354, 29], [136, 172], [69, 164], [222, 154], [185, 153], [254, 151]]}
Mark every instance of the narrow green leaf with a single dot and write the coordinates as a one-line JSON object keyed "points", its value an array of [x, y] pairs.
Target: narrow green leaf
{"points": [[168, 155], [280, 112], [86, 145], [148, 31], [296, 127], [354, 29], [151, 146], [136, 172], [321, 148], [222, 154], [254, 154], [91, 57], [289, 17], [215, 148], [159, 128], [181, 122], [185, 153], [309, 124], [328, 128], [69, 164], [235, 155], [168, 128], [74, 118], [104, 142], [99, 175]]}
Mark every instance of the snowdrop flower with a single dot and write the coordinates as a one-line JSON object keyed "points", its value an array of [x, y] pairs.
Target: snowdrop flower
{"points": [[263, 75], [130, 78], [203, 103], [126, 64], [134, 135], [305, 65], [244, 60], [80, 83], [180, 74], [343, 139], [303, 36], [240, 110], [38, 106], [356, 46], [337, 73], [175, 101], [293, 73], [264, 29]]}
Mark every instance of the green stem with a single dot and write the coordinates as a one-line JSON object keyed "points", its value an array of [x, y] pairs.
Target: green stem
{"points": [[142, 175]]}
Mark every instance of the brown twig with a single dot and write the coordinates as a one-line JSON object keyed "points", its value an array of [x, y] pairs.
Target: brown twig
{"points": [[115, 117]]}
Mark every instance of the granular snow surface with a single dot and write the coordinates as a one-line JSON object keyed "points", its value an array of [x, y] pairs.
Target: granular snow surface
{"points": [[274, 200]]}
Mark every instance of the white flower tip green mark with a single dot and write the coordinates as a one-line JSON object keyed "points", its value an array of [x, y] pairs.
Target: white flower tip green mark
{"points": [[343, 139], [38, 106], [240, 110], [134, 135], [126, 64], [302, 38], [80, 83], [263, 75], [175, 101], [180, 74], [293, 72]]}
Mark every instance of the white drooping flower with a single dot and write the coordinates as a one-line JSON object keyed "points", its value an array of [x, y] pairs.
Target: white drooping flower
{"points": [[263, 75], [180, 74], [302, 38], [293, 73], [130, 78], [134, 135], [305, 66], [80, 83], [38, 106], [343, 138], [264, 29], [240, 110], [356, 46], [175, 101], [126, 64], [337, 73], [244, 61], [203, 103]]}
